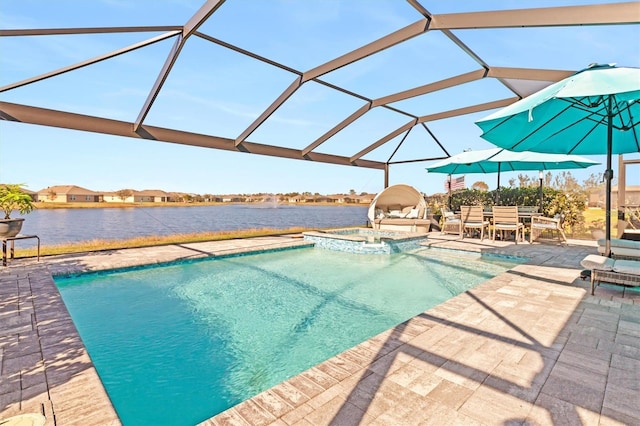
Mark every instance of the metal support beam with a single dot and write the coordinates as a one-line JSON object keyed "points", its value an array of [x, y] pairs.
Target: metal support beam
{"points": [[88, 30], [88, 62], [272, 108], [432, 87], [164, 73], [622, 185], [386, 175], [467, 110], [379, 45], [66, 120], [528, 74], [198, 18], [384, 140], [598, 14], [189, 28], [344, 123]]}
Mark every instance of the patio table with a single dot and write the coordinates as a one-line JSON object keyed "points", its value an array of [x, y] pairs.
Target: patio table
{"points": [[12, 240]]}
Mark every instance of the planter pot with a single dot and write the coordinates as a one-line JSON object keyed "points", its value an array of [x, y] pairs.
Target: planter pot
{"points": [[10, 227]]}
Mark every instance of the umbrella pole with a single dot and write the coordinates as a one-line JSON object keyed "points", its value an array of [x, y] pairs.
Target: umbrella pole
{"points": [[541, 176], [449, 187], [608, 177], [498, 188]]}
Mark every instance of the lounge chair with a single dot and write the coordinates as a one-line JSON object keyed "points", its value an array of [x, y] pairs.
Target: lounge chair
{"points": [[505, 218], [621, 249], [540, 224], [473, 218], [614, 271], [403, 218]]}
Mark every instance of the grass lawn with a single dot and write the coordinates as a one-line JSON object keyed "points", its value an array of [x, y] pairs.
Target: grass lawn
{"points": [[97, 245]]}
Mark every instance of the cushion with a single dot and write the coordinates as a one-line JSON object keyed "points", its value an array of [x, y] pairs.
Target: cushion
{"points": [[618, 242], [627, 266], [593, 261], [407, 209], [413, 214], [395, 213], [621, 251], [544, 225], [508, 226], [619, 247]]}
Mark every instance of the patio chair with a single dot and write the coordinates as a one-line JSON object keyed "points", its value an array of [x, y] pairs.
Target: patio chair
{"points": [[505, 218], [540, 224], [613, 271], [451, 222], [473, 218], [634, 216]]}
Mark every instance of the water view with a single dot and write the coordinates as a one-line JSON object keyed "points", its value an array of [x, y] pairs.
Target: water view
{"points": [[58, 226]]}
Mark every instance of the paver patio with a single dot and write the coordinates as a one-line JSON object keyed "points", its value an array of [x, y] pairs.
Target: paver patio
{"points": [[529, 346]]}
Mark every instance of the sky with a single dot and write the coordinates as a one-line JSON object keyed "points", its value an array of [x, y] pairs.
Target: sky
{"points": [[216, 91]]}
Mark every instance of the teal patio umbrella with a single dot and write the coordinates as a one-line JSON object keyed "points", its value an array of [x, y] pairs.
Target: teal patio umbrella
{"points": [[594, 111], [497, 160]]}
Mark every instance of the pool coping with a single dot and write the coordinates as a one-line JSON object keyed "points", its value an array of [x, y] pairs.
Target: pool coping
{"points": [[398, 378], [44, 365], [53, 374]]}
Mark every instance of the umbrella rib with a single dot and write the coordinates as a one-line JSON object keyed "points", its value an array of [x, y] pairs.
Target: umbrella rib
{"points": [[578, 105], [601, 113], [540, 127], [581, 139], [634, 129], [626, 110]]}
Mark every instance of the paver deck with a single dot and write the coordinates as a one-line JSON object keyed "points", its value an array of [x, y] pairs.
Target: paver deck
{"points": [[530, 346]]}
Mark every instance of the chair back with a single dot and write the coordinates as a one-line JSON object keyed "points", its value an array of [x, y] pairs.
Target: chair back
{"points": [[472, 214], [447, 214], [560, 218], [505, 214]]}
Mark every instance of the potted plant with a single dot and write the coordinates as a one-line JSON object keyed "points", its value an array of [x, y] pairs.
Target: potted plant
{"points": [[12, 197]]}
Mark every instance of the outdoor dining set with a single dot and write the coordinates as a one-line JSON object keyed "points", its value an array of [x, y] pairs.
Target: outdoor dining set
{"points": [[474, 220]]}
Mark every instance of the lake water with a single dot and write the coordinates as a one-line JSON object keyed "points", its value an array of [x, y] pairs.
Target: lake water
{"points": [[57, 226]]}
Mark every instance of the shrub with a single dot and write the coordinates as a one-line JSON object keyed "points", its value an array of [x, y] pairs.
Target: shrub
{"points": [[12, 197]]}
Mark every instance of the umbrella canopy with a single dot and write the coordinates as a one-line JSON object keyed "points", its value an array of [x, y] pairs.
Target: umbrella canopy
{"points": [[594, 111], [498, 160]]}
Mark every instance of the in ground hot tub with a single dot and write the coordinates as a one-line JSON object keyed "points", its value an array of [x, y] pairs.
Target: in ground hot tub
{"points": [[365, 240]]}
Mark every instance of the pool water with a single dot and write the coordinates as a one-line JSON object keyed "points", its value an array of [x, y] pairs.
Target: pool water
{"points": [[178, 344]]}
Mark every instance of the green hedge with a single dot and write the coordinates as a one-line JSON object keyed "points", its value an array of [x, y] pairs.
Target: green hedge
{"points": [[569, 203]]}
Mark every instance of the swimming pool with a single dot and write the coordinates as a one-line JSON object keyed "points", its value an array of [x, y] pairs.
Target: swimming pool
{"points": [[178, 344]]}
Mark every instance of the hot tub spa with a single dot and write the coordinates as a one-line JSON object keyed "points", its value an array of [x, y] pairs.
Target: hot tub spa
{"points": [[366, 240]]}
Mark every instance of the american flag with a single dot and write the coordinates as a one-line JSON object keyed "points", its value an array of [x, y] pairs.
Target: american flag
{"points": [[457, 183]]}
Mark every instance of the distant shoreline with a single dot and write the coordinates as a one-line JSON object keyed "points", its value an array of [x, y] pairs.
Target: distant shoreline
{"points": [[103, 205]]}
